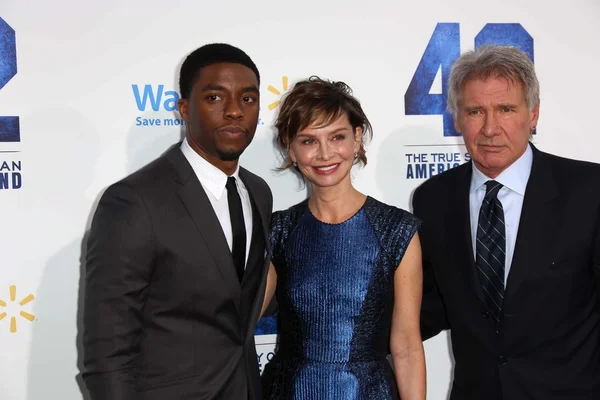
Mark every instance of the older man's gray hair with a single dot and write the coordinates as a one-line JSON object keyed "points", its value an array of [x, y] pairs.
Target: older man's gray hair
{"points": [[493, 62]]}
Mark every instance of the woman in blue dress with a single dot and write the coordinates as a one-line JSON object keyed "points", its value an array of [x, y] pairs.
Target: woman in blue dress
{"points": [[346, 268]]}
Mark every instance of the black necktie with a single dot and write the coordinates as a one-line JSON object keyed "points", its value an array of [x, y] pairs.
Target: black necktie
{"points": [[491, 248], [238, 227]]}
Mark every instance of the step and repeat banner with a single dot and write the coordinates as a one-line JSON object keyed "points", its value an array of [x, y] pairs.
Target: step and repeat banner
{"points": [[88, 94]]}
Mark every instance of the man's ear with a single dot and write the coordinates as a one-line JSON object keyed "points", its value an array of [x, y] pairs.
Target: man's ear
{"points": [[456, 125], [183, 109], [535, 114]]}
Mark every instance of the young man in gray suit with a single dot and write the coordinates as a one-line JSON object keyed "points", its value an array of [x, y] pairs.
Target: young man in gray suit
{"points": [[177, 254]]}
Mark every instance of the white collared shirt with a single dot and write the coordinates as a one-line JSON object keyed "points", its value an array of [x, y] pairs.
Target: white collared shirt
{"points": [[213, 181], [511, 195]]}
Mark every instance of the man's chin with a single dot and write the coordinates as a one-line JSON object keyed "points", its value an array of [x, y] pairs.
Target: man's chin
{"points": [[232, 155]]}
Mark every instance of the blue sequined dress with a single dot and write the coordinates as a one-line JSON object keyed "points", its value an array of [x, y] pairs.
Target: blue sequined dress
{"points": [[335, 293]]}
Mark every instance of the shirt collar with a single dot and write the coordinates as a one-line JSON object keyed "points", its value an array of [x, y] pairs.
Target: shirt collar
{"points": [[211, 177], [514, 177]]}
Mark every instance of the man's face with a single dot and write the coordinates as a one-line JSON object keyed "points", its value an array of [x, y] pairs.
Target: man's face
{"points": [[221, 113], [495, 122]]}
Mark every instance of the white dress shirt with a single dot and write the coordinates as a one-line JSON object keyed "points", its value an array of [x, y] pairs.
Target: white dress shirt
{"points": [[511, 195], [213, 180]]}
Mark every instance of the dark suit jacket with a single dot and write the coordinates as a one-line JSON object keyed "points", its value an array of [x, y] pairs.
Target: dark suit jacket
{"points": [[165, 316], [548, 343]]}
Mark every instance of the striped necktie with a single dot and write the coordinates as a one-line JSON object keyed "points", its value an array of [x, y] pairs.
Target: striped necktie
{"points": [[491, 248]]}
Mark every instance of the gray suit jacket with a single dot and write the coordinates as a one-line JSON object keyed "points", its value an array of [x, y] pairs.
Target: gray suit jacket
{"points": [[165, 316]]}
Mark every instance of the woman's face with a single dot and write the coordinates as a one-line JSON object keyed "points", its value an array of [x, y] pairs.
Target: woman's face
{"points": [[325, 154]]}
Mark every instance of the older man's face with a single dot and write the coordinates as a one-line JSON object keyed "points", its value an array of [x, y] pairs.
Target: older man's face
{"points": [[495, 122]]}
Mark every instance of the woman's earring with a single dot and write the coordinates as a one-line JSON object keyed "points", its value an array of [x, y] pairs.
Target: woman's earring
{"points": [[355, 155], [294, 164]]}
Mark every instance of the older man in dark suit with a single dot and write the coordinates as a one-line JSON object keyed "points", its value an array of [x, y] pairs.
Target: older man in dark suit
{"points": [[177, 254], [511, 244]]}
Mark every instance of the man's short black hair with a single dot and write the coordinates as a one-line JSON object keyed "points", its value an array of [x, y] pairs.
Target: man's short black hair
{"points": [[208, 55]]}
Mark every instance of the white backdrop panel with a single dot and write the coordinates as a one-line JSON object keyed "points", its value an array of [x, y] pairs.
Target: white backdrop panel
{"points": [[74, 96]]}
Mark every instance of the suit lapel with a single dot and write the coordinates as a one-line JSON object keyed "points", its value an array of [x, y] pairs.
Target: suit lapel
{"points": [[265, 219], [200, 209], [460, 218], [258, 204], [256, 238], [537, 224]]}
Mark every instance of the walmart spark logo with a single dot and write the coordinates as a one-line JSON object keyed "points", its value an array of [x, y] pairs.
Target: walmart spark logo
{"points": [[275, 91], [13, 320]]}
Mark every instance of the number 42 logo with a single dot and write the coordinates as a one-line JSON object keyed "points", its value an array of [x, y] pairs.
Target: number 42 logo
{"points": [[9, 126], [441, 52]]}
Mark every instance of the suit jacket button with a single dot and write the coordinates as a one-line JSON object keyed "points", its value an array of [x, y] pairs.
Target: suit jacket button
{"points": [[486, 314], [502, 360]]}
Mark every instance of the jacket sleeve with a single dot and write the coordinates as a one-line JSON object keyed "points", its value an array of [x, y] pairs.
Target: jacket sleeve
{"points": [[596, 259], [433, 312], [273, 307], [120, 255]]}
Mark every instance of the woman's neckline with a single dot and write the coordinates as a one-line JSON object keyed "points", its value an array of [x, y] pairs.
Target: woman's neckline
{"points": [[342, 222]]}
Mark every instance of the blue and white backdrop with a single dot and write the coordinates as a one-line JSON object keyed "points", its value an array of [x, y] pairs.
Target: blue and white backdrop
{"points": [[88, 93]]}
